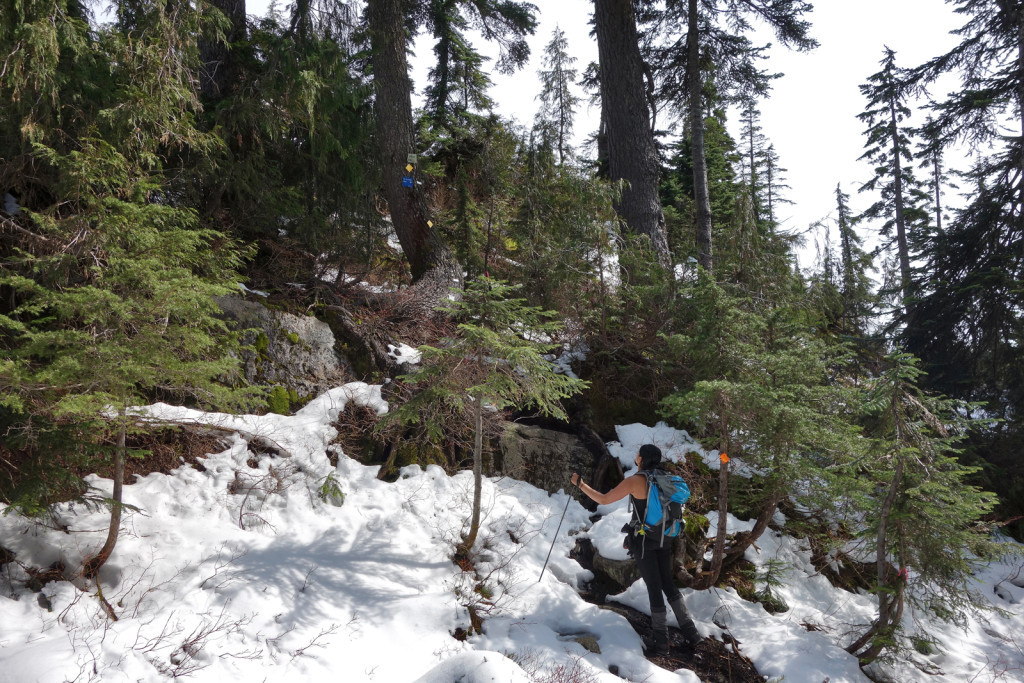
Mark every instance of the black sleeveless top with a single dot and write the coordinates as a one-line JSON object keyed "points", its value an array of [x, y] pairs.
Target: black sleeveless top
{"points": [[639, 507]]}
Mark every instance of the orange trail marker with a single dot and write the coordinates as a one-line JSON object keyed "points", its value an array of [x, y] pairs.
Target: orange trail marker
{"points": [[723, 458]]}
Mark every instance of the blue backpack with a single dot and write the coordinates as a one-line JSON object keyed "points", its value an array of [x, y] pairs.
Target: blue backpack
{"points": [[666, 495]]}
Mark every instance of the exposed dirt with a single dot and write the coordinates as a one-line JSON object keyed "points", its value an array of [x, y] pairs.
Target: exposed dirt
{"points": [[169, 448], [714, 661]]}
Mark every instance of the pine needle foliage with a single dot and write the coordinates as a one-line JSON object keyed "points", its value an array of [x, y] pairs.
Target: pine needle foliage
{"points": [[765, 391], [110, 284], [921, 514]]}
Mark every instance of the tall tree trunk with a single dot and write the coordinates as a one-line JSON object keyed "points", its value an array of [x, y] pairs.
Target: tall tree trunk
{"points": [[218, 75], [906, 285], [434, 267], [701, 197], [632, 153]]}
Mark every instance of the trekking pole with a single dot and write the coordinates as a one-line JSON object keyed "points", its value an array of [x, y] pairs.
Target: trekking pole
{"points": [[569, 498]]}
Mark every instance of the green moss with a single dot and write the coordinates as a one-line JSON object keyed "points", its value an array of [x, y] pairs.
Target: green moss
{"points": [[261, 345], [695, 526], [293, 337], [279, 401], [419, 454]]}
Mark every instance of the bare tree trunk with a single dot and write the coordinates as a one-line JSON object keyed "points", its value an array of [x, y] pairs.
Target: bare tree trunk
{"points": [[632, 152], [745, 540], [478, 460], [706, 580], [887, 617], [701, 196], [92, 566], [906, 285], [434, 267]]}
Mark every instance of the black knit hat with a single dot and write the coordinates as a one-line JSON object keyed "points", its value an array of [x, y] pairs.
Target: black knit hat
{"points": [[650, 456]]}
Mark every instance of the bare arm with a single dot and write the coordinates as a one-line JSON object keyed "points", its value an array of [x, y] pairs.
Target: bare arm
{"points": [[635, 485]]}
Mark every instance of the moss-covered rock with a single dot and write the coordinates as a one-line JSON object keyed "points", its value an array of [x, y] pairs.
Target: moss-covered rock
{"points": [[287, 350]]}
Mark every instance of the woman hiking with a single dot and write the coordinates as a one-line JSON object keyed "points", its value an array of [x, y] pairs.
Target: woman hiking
{"points": [[653, 556]]}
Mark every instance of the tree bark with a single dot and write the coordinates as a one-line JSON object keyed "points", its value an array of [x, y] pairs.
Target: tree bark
{"points": [[887, 617], [906, 285], [478, 464], [706, 580], [92, 566], [701, 196], [734, 553], [632, 152], [435, 270]]}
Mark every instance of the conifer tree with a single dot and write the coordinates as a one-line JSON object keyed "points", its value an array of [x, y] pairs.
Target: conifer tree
{"points": [[889, 146], [433, 265], [754, 150], [774, 186], [219, 74], [558, 245], [296, 152], [493, 362], [457, 82], [432, 261], [968, 329], [931, 156], [855, 262], [110, 284], [924, 517], [710, 51], [763, 394], [558, 103]]}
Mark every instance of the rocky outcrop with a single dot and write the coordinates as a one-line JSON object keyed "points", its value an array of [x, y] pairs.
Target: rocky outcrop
{"points": [[290, 351], [621, 573], [543, 457]]}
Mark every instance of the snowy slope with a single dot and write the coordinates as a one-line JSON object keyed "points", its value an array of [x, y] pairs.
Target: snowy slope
{"points": [[242, 572]]}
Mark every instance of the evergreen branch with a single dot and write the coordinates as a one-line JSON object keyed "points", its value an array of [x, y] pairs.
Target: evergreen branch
{"points": [[8, 223]]}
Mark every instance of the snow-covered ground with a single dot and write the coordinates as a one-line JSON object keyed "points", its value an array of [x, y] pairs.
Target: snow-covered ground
{"points": [[253, 571]]}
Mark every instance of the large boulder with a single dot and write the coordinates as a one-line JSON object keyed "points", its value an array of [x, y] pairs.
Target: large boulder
{"points": [[543, 457], [294, 352]]}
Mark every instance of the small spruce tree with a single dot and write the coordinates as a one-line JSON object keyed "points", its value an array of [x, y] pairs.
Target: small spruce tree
{"points": [[494, 361], [923, 517]]}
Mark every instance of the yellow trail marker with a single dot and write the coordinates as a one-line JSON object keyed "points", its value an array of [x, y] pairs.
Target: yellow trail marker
{"points": [[430, 224], [408, 167]]}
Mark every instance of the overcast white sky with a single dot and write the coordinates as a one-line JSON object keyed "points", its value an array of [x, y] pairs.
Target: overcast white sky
{"points": [[811, 115]]}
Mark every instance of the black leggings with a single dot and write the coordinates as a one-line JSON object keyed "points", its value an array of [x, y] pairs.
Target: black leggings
{"points": [[655, 564]]}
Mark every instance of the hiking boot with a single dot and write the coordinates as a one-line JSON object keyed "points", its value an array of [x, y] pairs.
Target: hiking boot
{"points": [[657, 643], [686, 624]]}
